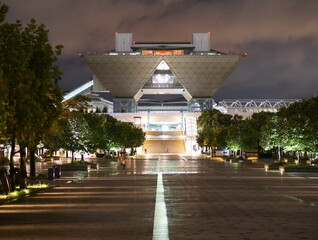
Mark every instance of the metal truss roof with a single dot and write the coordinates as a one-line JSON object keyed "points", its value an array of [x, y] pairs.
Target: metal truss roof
{"points": [[259, 103]]}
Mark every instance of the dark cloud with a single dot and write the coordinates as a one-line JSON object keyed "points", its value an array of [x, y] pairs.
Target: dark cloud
{"points": [[281, 36]]}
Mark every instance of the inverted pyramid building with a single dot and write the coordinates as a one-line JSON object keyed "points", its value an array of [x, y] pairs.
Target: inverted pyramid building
{"points": [[190, 68]]}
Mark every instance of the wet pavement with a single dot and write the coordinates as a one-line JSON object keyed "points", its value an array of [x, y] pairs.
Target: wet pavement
{"points": [[169, 197]]}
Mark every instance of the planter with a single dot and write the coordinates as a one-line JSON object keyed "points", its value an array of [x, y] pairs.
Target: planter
{"points": [[273, 168], [301, 169], [75, 168], [268, 167]]}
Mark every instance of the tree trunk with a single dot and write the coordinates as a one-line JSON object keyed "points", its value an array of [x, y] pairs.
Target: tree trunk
{"points": [[72, 156], [32, 162], [12, 179], [22, 162], [12, 154], [212, 151], [298, 156]]}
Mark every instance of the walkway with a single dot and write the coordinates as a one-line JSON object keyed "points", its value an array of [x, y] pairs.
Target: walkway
{"points": [[183, 198]]}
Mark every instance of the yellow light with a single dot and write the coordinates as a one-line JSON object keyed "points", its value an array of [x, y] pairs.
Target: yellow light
{"points": [[37, 186]]}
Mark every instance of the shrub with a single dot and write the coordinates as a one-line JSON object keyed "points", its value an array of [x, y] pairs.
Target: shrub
{"points": [[299, 166], [80, 163], [100, 155], [279, 163]]}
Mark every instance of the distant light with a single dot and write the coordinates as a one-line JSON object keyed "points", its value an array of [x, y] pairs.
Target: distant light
{"points": [[116, 32], [245, 54], [209, 32], [134, 42], [80, 54]]}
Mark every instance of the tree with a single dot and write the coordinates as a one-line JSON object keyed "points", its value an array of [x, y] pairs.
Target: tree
{"points": [[212, 128], [13, 65], [255, 125], [64, 132], [235, 133], [128, 135], [311, 128], [45, 96], [299, 125], [30, 79], [109, 138]]}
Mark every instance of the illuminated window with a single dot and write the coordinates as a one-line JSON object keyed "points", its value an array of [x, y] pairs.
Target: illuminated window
{"points": [[146, 52], [163, 66], [162, 52], [162, 78], [178, 52]]}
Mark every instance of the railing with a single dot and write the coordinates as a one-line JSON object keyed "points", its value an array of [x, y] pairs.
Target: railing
{"points": [[162, 108], [259, 103], [162, 85]]}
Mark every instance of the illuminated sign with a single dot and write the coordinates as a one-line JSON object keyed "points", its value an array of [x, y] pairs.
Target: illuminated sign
{"points": [[162, 52], [146, 52], [178, 52]]}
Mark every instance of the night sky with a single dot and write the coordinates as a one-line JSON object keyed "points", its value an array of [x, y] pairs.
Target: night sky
{"points": [[280, 36]]}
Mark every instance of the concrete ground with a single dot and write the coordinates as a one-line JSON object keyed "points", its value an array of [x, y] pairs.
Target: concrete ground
{"points": [[169, 197]]}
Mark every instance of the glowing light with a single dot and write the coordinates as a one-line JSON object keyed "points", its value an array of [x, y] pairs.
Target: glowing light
{"points": [[37, 186], [245, 54], [80, 54], [163, 66]]}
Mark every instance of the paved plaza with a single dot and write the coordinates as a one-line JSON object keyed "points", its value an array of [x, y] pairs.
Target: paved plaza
{"points": [[169, 197]]}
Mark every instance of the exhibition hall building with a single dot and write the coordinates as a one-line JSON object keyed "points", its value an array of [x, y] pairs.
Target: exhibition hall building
{"points": [[163, 87]]}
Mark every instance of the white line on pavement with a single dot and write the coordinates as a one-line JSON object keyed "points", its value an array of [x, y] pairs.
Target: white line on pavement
{"points": [[160, 226]]}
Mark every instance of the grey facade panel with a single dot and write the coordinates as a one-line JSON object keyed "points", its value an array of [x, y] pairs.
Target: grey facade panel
{"points": [[201, 42], [125, 75], [202, 75], [98, 86], [124, 42]]}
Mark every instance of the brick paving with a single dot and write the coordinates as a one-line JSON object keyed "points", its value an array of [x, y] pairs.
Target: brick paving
{"points": [[204, 200]]}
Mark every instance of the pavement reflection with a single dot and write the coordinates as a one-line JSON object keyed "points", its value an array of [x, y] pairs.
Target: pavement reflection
{"points": [[200, 198]]}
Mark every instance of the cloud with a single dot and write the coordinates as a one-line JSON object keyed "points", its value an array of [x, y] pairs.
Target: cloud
{"points": [[81, 24], [285, 32]]}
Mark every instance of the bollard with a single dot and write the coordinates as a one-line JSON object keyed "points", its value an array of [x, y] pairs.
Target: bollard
{"points": [[50, 173], [57, 171]]}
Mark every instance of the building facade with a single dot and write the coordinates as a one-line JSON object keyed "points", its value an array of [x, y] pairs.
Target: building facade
{"points": [[162, 85]]}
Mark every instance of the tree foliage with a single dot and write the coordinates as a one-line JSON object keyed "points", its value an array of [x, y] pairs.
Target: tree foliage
{"points": [[293, 128], [31, 97], [78, 130]]}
